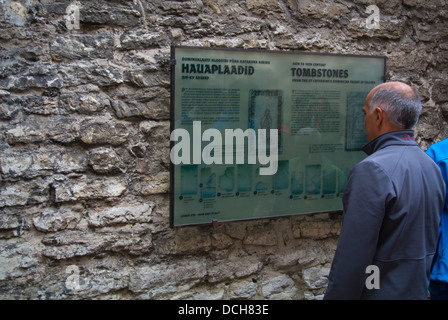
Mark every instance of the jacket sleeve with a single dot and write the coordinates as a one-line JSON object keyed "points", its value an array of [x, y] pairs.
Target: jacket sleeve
{"points": [[368, 192], [439, 269]]}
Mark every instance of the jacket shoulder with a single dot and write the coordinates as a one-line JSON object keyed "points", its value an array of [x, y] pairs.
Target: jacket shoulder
{"points": [[438, 151]]}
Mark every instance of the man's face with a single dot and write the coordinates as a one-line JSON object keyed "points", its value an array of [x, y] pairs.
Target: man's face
{"points": [[369, 122]]}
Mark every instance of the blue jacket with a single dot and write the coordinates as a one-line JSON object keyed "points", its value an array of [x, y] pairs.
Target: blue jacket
{"points": [[392, 205], [439, 153]]}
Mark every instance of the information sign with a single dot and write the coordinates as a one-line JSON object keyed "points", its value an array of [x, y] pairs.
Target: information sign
{"points": [[257, 134]]}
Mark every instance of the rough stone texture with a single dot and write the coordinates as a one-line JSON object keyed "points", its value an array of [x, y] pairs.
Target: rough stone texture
{"points": [[84, 149]]}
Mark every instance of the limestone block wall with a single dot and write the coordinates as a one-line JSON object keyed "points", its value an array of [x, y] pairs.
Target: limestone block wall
{"points": [[84, 144]]}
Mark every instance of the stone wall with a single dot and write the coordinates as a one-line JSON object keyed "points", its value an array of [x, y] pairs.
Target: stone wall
{"points": [[84, 117]]}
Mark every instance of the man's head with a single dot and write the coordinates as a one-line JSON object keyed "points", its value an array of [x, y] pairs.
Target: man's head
{"points": [[391, 106]]}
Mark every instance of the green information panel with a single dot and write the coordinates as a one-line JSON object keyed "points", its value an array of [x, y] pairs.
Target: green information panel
{"points": [[257, 134]]}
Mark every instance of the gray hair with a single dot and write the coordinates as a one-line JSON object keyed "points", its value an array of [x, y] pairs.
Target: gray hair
{"points": [[402, 108]]}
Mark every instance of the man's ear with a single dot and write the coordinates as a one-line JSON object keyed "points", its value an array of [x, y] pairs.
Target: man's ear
{"points": [[380, 116]]}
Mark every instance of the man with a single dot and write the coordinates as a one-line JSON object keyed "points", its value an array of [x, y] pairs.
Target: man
{"points": [[438, 283], [392, 206]]}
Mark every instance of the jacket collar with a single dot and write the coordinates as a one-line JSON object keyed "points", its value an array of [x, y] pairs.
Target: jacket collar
{"points": [[398, 137]]}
